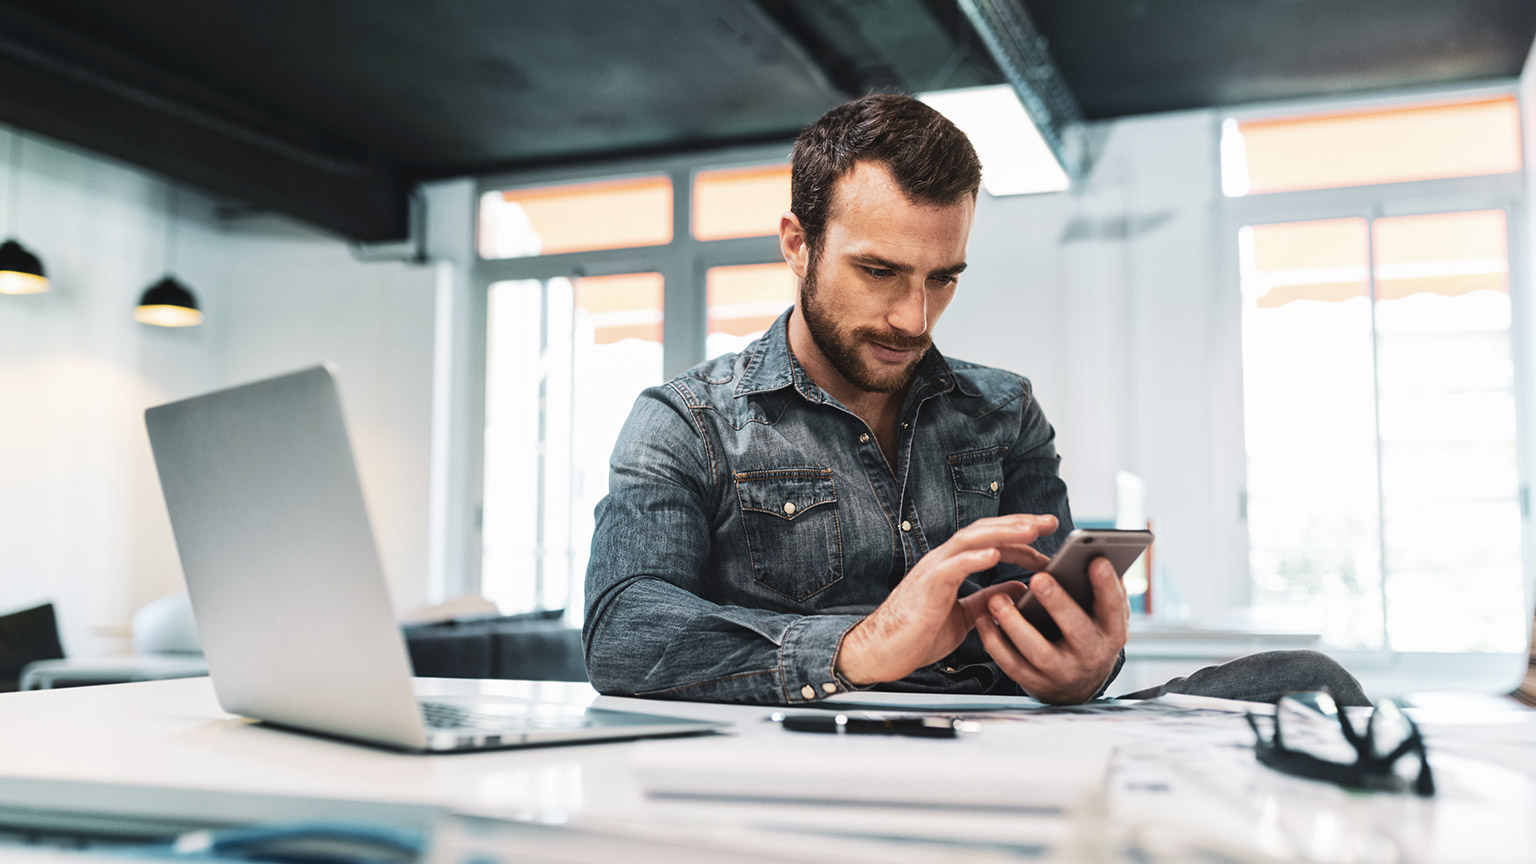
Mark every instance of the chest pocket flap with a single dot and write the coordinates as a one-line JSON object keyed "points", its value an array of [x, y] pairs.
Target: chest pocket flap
{"points": [[790, 519], [785, 492], [978, 477]]}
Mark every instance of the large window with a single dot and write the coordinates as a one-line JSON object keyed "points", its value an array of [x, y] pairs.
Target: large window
{"points": [[1384, 496], [593, 292]]}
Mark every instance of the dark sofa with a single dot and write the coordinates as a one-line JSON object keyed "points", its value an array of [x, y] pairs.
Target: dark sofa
{"points": [[535, 646]]}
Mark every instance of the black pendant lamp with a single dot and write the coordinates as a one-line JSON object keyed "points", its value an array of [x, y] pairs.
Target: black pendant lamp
{"points": [[20, 271], [168, 303]]}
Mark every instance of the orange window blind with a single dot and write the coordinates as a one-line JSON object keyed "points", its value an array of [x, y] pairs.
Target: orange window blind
{"points": [[1420, 142], [581, 217], [1441, 253], [626, 306], [1325, 260], [744, 300], [739, 202]]}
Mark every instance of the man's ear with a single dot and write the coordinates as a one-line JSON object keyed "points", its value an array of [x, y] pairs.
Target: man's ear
{"points": [[793, 245]]}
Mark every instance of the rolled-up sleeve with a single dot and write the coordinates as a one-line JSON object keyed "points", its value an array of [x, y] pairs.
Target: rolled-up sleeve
{"points": [[648, 628]]}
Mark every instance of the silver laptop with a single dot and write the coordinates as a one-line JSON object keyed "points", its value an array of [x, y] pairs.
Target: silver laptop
{"points": [[288, 590]]}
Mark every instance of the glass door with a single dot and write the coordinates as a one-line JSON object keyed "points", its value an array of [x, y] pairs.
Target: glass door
{"points": [[1384, 492], [564, 360]]}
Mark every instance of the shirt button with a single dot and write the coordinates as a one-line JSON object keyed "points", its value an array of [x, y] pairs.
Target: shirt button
{"points": [[994, 485], [943, 383], [864, 438], [829, 688], [808, 692], [905, 425], [789, 507], [905, 525]]}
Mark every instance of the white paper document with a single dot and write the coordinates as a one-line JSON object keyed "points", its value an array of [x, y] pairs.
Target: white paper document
{"points": [[1025, 756]]}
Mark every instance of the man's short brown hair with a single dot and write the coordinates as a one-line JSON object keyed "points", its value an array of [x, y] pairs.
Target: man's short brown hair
{"points": [[930, 158]]}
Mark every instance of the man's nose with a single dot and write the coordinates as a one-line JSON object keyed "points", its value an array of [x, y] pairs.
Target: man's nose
{"points": [[909, 314]]}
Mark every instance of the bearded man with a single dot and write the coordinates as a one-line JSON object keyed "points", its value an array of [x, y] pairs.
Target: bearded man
{"points": [[839, 506]]}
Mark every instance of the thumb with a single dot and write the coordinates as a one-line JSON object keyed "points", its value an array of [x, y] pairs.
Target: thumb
{"points": [[975, 604]]}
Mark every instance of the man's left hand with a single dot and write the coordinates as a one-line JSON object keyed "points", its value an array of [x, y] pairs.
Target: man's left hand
{"points": [[1072, 670]]}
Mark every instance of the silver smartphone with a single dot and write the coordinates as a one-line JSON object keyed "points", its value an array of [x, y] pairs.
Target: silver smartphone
{"points": [[1070, 567]]}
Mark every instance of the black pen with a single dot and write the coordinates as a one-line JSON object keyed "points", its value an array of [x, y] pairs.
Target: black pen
{"points": [[842, 724]]}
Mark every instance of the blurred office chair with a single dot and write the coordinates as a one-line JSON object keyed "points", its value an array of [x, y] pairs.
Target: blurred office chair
{"points": [[25, 637]]}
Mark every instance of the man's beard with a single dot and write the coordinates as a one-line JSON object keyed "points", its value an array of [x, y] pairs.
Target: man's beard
{"points": [[841, 348]]}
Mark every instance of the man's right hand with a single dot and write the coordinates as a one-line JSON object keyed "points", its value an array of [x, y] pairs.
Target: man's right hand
{"points": [[924, 619]]}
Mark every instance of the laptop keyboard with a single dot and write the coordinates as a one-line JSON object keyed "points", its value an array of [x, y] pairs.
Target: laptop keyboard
{"points": [[442, 715]]}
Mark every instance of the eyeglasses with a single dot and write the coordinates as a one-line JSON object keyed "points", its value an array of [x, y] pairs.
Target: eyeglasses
{"points": [[1309, 736]]}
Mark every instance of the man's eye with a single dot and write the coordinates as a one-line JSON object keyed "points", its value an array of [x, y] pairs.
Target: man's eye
{"points": [[879, 272]]}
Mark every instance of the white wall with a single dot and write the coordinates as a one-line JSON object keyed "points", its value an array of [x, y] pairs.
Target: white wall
{"points": [[83, 521], [293, 297], [1110, 300]]}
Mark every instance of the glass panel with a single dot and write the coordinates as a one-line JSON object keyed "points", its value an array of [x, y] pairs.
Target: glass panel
{"points": [[1454, 578], [739, 202], [1450, 475], [563, 357], [743, 302], [1420, 142], [1310, 428], [580, 217]]}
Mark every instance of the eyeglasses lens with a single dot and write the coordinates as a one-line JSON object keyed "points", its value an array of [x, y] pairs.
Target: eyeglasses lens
{"points": [[1389, 728], [1309, 723]]}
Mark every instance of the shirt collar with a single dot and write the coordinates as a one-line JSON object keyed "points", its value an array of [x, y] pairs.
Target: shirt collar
{"points": [[772, 366]]}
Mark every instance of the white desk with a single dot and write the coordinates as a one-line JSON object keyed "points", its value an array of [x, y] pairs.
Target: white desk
{"points": [[165, 750], [172, 736]]}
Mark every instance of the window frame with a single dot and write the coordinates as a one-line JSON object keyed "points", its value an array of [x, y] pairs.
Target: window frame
{"points": [[683, 264], [1504, 192]]}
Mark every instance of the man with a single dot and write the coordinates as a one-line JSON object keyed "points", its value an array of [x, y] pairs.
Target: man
{"points": [[839, 506]]}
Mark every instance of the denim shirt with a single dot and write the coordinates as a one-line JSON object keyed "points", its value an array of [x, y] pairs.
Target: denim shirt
{"points": [[752, 520]]}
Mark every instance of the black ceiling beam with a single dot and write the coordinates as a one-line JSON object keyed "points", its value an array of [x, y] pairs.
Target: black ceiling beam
{"points": [[68, 87], [1020, 51], [864, 46]]}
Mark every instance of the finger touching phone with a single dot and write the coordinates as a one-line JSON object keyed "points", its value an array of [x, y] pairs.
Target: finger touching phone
{"points": [[1070, 567]]}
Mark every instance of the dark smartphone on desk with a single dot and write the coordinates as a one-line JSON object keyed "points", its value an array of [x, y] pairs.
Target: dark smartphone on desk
{"points": [[1070, 567]]}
